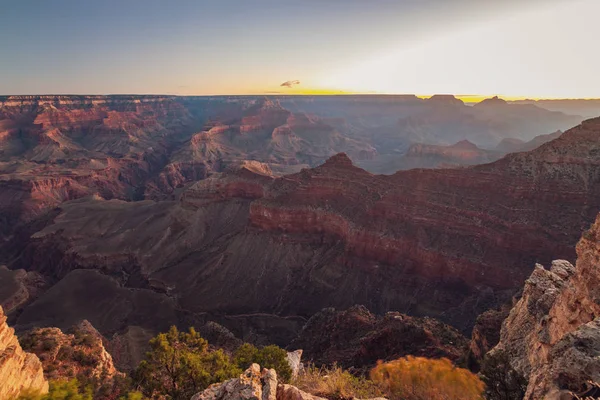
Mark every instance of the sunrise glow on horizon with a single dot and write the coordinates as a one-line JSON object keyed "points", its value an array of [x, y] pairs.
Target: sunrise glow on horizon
{"points": [[542, 49]]}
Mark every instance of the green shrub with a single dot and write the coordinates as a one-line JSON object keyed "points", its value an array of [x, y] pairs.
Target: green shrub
{"points": [[179, 365], [49, 344], [267, 357], [66, 352], [62, 390], [85, 359], [501, 380]]}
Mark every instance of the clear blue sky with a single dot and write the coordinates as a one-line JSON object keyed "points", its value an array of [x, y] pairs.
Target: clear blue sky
{"points": [[252, 46]]}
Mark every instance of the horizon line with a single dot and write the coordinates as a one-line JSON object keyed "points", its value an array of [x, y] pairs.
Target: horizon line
{"points": [[467, 97]]}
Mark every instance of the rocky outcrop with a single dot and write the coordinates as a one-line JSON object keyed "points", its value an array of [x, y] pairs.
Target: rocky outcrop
{"points": [[355, 338], [19, 288], [552, 335], [20, 372], [254, 384], [289, 392], [485, 335], [295, 360], [78, 353]]}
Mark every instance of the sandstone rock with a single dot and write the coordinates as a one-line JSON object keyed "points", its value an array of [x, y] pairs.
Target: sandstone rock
{"points": [[289, 392], [552, 335], [486, 334], [20, 372], [249, 386], [295, 360], [254, 385], [269, 380]]}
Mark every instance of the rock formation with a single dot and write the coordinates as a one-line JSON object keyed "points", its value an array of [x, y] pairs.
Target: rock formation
{"points": [[18, 288], [255, 384], [295, 360], [485, 335], [78, 353], [355, 338], [20, 372], [552, 335]]}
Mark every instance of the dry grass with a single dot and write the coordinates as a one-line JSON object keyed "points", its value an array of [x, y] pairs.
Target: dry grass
{"points": [[335, 383], [418, 378]]}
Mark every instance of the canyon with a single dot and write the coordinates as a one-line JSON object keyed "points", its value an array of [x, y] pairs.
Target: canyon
{"points": [[57, 148], [141, 212]]}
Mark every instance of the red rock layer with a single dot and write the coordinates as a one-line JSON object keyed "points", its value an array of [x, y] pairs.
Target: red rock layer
{"points": [[484, 225]]}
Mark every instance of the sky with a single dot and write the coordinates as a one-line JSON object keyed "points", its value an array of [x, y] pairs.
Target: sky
{"points": [[512, 48]]}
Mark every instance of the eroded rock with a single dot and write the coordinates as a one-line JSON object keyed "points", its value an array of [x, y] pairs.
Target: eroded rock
{"points": [[20, 372], [552, 335]]}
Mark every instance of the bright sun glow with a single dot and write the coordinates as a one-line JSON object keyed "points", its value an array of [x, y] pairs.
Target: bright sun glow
{"points": [[536, 54]]}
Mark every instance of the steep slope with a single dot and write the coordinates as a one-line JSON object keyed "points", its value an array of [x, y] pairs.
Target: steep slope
{"points": [[552, 335], [355, 338], [19, 287], [20, 372]]}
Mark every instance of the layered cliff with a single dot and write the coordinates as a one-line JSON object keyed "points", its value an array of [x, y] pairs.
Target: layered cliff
{"points": [[20, 372], [58, 148], [552, 335]]}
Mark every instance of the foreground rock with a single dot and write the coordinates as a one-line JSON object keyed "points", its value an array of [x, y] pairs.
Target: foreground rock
{"points": [[252, 384], [20, 372], [255, 384], [552, 335]]}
